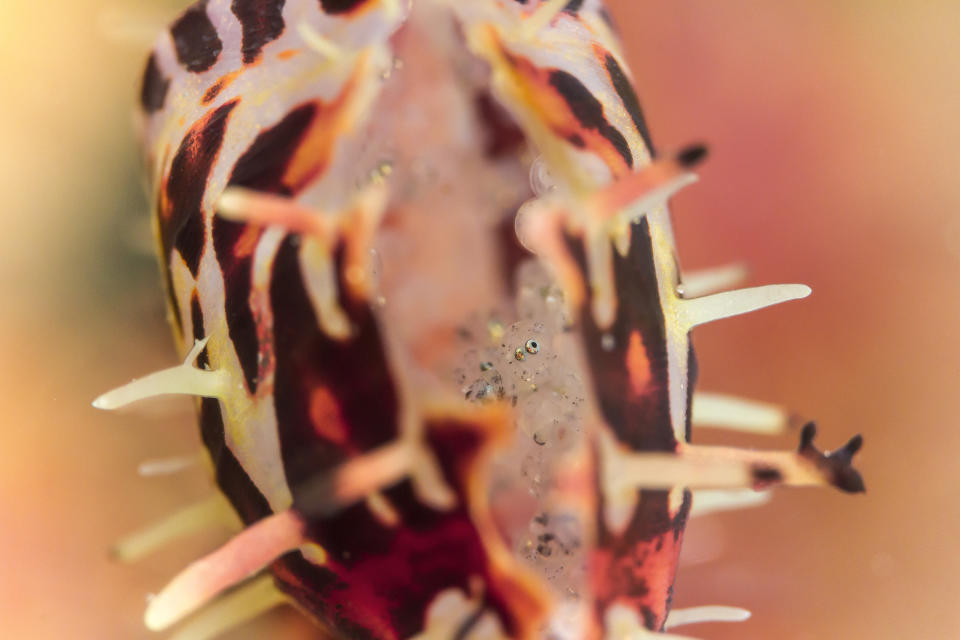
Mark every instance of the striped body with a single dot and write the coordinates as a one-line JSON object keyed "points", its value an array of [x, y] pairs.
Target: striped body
{"points": [[326, 357]]}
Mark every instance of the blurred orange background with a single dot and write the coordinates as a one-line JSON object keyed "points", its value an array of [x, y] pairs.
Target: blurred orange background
{"points": [[834, 132]]}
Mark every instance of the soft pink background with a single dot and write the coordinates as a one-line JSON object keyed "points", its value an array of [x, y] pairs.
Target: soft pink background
{"points": [[834, 131]]}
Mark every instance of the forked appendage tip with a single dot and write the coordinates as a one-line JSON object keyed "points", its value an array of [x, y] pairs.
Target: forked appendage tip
{"points": [[836, 465]]}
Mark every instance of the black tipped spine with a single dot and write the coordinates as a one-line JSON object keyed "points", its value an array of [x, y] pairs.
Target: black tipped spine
{"points": [[854, 445], [807, 435], [692, 155]]}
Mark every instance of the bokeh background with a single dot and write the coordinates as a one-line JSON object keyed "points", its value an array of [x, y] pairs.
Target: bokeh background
{"points": [[835, 143]]}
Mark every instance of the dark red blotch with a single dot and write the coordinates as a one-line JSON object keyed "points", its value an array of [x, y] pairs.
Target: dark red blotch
{"points": [[380, 580]]}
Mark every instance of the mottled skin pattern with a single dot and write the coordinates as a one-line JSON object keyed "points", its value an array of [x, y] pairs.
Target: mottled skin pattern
{"points": [[233, 96]]}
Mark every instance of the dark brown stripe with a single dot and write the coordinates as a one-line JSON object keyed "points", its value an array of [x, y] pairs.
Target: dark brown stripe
{"points": [[182, 221], [589, 111], [262, 22], [640, 422], [231, 477], [264, 163], [195, 39], [196, 319], [629, 99], [233, 244], [153, 91], [261, 167], [333, 398], [190, 241], [627, 563]]}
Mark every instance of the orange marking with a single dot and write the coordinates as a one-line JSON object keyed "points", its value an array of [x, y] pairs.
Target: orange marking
{"points": [[358, 9], [619, 572], [549, 105], [222, 83], [600, 53], [286, 54], [326, 417], [331, 121], [247, 241], [638, 365]]}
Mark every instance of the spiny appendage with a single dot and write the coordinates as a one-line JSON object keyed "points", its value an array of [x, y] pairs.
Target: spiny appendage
{"points": [[246, 554], [710, 467], [335, 52], [337, 47], [183, 379], [711, 613], [319, 43], [624, 622], [232, 610], [167, 466], [695, 284], [724, 411], [357, 479], [254, 548], [707, 501], [621, 621], [322, 233], [836, 466], [210, 513], [599, 221], [698, 311], [602, 219]]}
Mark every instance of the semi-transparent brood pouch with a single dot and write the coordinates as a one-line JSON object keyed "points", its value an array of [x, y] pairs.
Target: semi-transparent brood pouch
{"points": [[420, 269]]}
